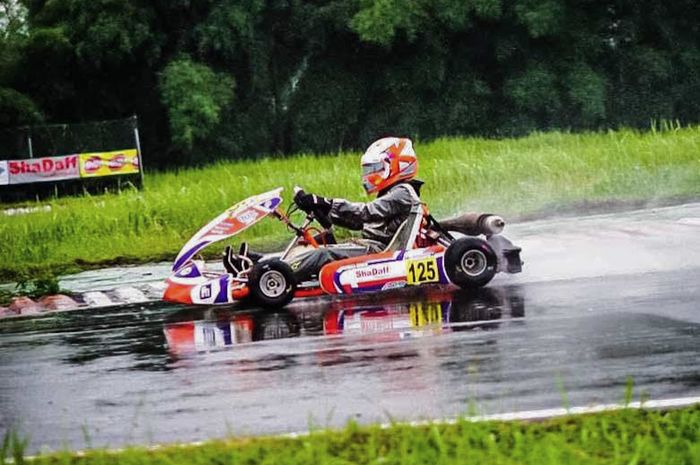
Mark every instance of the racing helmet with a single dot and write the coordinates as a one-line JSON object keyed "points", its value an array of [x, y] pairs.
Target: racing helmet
{"points": [[386, 162]]}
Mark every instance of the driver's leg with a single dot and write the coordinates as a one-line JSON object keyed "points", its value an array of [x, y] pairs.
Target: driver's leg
{"points": [[306, 266]]}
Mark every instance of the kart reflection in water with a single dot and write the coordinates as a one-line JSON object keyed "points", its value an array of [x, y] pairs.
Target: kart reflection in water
{"points": [[374, 321]]}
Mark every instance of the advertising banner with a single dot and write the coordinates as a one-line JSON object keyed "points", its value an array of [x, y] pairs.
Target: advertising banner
{"points": [[109, 163], [4, 174], [43, 169]]}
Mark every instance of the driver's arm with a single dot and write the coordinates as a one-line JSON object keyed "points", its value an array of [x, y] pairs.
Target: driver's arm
{"points": [[353, 215]]}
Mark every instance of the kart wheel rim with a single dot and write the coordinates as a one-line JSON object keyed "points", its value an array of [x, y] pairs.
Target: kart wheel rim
{"points": [[272, 283], [474, 263]]}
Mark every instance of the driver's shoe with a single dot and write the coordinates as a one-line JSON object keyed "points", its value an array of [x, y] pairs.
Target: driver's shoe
{"points": [[245, 251], [240, 262]]}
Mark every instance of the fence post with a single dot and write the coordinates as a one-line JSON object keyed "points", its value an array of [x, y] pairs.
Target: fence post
{"points": [[29, 142], [138, 146]]}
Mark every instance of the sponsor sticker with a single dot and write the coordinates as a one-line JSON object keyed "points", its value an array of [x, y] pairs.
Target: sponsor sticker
{"points": [[109, 163], [4, 173], [393, 285], [205, 291], [372, 272], [43, 169], [248, 216]]}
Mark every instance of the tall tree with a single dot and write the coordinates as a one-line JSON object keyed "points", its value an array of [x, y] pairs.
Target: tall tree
{"points": [[323, 75], [16, 108]]}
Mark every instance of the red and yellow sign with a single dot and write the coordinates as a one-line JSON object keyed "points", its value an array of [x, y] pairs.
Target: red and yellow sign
{"points": [[109, 163]]}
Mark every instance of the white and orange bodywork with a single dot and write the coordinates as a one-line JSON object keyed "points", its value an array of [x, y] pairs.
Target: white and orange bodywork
{"points": [[385, 271], [357, 275], [400, 267], [190, 282]]}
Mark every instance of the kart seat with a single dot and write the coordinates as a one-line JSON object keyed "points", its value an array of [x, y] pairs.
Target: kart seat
{"points": [[396, 242], [405, 236]]}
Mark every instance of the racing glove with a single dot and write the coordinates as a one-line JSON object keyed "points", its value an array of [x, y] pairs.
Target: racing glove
{"points": [[312, 203]]}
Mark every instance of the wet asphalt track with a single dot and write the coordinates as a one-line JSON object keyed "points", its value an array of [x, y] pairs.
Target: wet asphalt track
{"points": [[602, 299]]}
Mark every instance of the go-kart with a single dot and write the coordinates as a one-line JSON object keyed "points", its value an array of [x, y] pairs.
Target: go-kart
{"points": [[466, 251]]}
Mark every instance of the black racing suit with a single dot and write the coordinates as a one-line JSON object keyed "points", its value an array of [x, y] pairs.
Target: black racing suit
{"points": [[378, 220]]}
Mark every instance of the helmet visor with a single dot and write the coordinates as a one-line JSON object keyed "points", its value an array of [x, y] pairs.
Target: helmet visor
{"points": [[371, 168], [372, 175]]}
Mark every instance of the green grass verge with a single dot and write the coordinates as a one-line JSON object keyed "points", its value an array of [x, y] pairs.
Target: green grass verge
{"points": [[620, 437], [514, 177]]}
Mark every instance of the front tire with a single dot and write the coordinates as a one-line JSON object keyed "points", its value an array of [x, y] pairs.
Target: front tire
{"points": [[470, 262], [271, 283]]}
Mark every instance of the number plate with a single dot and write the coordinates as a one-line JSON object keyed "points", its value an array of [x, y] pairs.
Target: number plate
{"points": [[424, 270]]}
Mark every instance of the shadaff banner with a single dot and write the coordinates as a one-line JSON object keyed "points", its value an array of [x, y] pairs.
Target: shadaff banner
{"points": [[4, 175], [109, 163], [43, 169]]}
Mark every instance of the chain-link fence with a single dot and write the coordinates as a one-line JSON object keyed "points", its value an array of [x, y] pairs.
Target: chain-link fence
{"points": [[60, 159]]}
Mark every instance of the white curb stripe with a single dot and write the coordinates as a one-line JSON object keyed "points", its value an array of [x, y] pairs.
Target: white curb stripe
{"points": [[544, 414], [527, 415]]}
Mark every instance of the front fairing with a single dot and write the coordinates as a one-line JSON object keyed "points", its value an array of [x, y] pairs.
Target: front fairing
{"points": [[233, 221]]}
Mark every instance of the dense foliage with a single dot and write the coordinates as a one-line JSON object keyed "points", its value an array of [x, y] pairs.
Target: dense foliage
{"points": [[231, 78]]}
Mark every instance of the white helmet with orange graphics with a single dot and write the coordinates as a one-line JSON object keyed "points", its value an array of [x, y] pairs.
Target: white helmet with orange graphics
{"points": [[386, 162]]}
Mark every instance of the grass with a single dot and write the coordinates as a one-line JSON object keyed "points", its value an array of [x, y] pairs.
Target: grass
{"points": [[514, 177], [620, 437]]}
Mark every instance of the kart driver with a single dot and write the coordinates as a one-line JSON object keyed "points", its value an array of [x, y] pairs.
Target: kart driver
{"points": [[389, 167]]}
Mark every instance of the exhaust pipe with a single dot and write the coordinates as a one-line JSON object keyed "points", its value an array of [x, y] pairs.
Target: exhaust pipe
{"points": [[492, 224], [474, 224]]}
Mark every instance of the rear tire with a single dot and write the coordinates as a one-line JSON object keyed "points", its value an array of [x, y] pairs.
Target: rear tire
{"points": [[470, 262], [271, 283]]}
